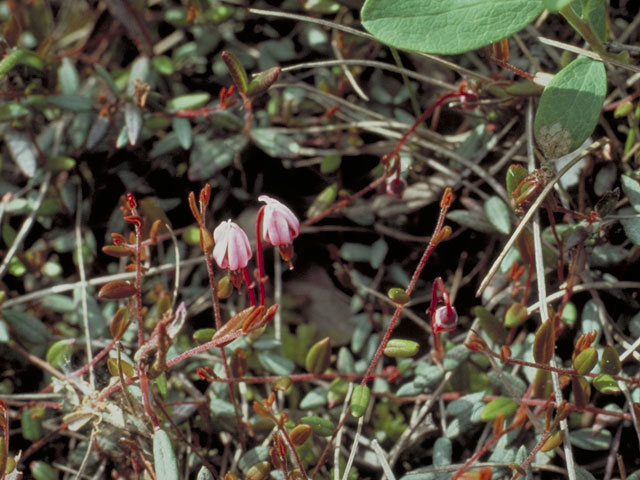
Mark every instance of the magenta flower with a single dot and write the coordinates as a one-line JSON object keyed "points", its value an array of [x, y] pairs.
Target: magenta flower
{"points": [[279, 225], [232, 249]]}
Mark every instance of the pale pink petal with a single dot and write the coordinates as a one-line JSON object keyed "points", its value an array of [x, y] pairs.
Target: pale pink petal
{"points": [[279, 224], [232, 249]]}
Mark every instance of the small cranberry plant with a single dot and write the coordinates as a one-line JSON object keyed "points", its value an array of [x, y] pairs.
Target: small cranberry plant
{"points": [[319, 240]]}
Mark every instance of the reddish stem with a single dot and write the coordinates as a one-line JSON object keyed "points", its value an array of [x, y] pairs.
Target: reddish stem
{"points": [[412, 284], [249, 283], [223, 354]]}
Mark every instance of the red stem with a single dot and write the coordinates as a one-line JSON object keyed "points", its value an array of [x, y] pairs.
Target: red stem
{"points": [[249, 283], [412, 285], [223, 354]]}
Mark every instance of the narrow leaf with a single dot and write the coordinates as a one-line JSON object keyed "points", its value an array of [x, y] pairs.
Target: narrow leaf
{"points": [[545, 342], [133, 122], [164, 459]]}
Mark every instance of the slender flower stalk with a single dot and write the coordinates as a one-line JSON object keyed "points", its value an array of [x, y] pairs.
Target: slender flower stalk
{"points": [[276, 225]]}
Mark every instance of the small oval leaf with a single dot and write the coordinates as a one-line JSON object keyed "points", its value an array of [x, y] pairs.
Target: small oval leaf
{"points": [[610, 362], [400, 348], [116, 290], [570, 107], [360, 400], [500, 405], [545, 342], [318, 357], [321, 426]]}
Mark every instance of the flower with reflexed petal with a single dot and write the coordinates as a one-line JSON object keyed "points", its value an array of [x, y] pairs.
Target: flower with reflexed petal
{"points": [[279, 226], [232, 250], [445, 319]]}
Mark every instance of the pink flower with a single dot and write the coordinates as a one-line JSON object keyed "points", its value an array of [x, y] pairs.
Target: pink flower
{"points": [[232, 249], [279, 225]]}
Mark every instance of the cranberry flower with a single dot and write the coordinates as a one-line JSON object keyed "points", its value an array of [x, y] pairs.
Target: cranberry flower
{"points": [[279, 226], [232, 250]]}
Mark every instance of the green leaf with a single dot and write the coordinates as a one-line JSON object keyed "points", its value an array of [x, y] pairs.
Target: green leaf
{"points": [[442, 452], [71, 101], [631, 225], [491, 325], [321, 426], [275, 144], [27, 327], [360, 400], [631, 188], [498, 214], [605, 384], [450, 27], [30, 425], [190, 101], [585, 439], [60, 352], [140, 71], [182, 129], [133, 122], [515, 174], [22, 151], [275, 363], [163, 65], [582, 474], [556, 5], [570, 107], [314, 399], [164, 459], [42, 471], [68, 76], [399, 347], [12, 111], [204, 473], [472, 221], [503, 405], [330, 163]]}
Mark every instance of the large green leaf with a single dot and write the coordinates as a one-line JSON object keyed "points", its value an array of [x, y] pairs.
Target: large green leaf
{"points": [[570, 106], [446, 27]]}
